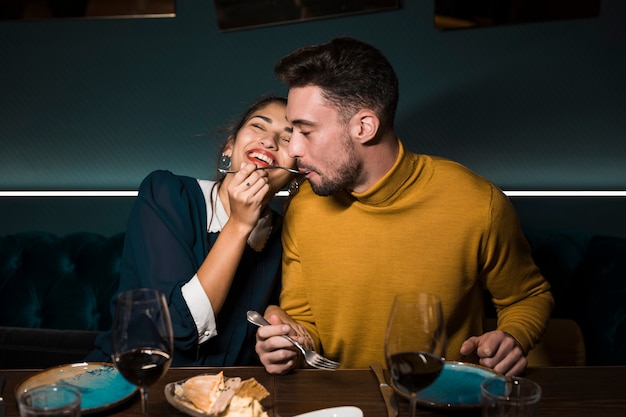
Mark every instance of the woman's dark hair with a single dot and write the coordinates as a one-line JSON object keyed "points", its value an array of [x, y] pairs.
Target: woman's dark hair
{"points": [[352, 75], [259, 104]]}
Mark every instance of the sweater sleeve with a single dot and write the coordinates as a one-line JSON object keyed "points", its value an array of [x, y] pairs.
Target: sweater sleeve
{"points": [[520, 293], [293, 298]]}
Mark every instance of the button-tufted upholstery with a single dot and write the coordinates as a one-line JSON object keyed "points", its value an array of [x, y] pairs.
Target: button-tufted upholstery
{"points": [[588, 277], [61, 286], [55, 293]]}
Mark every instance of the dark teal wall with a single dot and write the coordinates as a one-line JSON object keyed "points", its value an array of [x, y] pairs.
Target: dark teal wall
{"points": [[97, 104]]}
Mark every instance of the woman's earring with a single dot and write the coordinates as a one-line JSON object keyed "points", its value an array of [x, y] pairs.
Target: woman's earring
{"points": [[224, 163]]}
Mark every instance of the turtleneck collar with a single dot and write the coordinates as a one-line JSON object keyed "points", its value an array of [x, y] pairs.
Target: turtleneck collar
{"points": [[406, 167]]}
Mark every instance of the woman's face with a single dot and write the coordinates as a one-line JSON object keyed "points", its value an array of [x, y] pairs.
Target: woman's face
{"points": [[263, 140]]}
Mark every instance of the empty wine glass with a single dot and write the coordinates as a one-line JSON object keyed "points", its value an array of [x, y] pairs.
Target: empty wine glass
{"points": [[142, 339], [415, 343]]}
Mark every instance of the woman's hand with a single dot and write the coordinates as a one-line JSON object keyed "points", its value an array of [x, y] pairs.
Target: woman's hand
{"points": [[247, 195], [246, 192]]}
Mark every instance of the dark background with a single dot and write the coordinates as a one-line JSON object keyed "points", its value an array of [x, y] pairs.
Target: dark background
{"points": [[99, 103]]}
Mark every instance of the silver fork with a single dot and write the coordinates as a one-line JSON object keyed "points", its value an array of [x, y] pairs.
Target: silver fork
{"points": [[293, 171], [311, 357]]}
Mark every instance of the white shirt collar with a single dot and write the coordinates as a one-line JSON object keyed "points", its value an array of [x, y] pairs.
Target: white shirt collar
{"points": [[217, 217]]}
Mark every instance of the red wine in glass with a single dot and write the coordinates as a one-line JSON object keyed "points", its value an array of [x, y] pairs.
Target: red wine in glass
{"points": [[142, 341], [143, 367], [415, 342], [414, 371]]}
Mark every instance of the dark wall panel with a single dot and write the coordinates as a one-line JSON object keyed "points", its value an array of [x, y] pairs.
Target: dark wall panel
{"points": [[98, 104]]}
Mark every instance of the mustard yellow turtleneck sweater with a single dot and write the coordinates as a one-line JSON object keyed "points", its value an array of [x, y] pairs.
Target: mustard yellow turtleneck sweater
{"points": [[429, 224]]}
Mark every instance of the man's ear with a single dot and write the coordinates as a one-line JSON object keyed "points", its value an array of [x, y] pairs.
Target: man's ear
{"points": [[364, 125]]}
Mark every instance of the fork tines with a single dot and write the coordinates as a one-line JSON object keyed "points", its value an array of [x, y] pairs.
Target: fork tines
{"points": [[322, 362]]}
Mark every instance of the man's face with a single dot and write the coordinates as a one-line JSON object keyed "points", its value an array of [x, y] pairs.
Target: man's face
{"points": [[321, 142]]}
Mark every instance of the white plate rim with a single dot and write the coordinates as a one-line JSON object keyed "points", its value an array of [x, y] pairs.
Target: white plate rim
{"points": [[182, 406], [341, 411]]}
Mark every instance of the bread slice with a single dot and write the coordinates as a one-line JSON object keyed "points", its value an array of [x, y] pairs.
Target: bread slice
{"points": [[203, 390], [225, 396], [219, 396], [251, 388]]}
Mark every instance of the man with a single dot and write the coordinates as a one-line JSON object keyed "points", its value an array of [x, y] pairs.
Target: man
{"points": [[374, 220]]}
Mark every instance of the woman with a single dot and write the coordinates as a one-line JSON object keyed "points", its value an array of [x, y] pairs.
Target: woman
{"points": [[213, 247]]}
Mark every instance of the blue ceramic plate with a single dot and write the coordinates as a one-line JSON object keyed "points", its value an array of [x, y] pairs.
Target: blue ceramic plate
{"points": [[457, 387], [101, 385]]}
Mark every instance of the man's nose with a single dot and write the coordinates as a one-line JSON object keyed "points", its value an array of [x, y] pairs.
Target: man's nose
{"points": [[294, 150]]}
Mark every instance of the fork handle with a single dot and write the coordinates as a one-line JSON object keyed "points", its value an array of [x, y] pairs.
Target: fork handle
{"points": [[293, 171], [295, 343], [258, 320]]}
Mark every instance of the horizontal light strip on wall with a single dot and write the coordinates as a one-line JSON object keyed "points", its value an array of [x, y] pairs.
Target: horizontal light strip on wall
{"points": [[68, 193], [565, 193], [285, 193]]}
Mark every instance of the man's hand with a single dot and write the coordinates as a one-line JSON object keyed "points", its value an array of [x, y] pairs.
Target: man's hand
{"points": [[497, 350], [276, 353]]}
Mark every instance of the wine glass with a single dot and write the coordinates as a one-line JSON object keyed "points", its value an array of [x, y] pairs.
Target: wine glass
{"points": [[415, 342], [142, 342]]}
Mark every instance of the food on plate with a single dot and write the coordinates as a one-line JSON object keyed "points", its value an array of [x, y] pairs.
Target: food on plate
{"points": [[216, 395], [203, 390], [251, 388], [245, 407]]}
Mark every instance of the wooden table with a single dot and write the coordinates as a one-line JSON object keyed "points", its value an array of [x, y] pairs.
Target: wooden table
{"points": [[567, 391]]}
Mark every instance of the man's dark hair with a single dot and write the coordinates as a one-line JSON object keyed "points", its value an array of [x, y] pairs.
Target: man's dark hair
{"points": [[352, 75]]}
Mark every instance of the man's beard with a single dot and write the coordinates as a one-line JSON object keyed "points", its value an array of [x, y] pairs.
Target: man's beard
{"points": [[347, 171]]}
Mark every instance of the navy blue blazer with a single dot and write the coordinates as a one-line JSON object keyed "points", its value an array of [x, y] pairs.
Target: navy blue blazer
{"points": [[166, 242]]}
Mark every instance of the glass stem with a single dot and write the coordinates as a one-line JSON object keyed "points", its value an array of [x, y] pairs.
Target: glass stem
{"points": [[144, 400], [413, 404]]}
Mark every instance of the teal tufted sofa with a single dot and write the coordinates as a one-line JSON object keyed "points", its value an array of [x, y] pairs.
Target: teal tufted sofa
{"points": [[55, 292], [55, 295]]}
